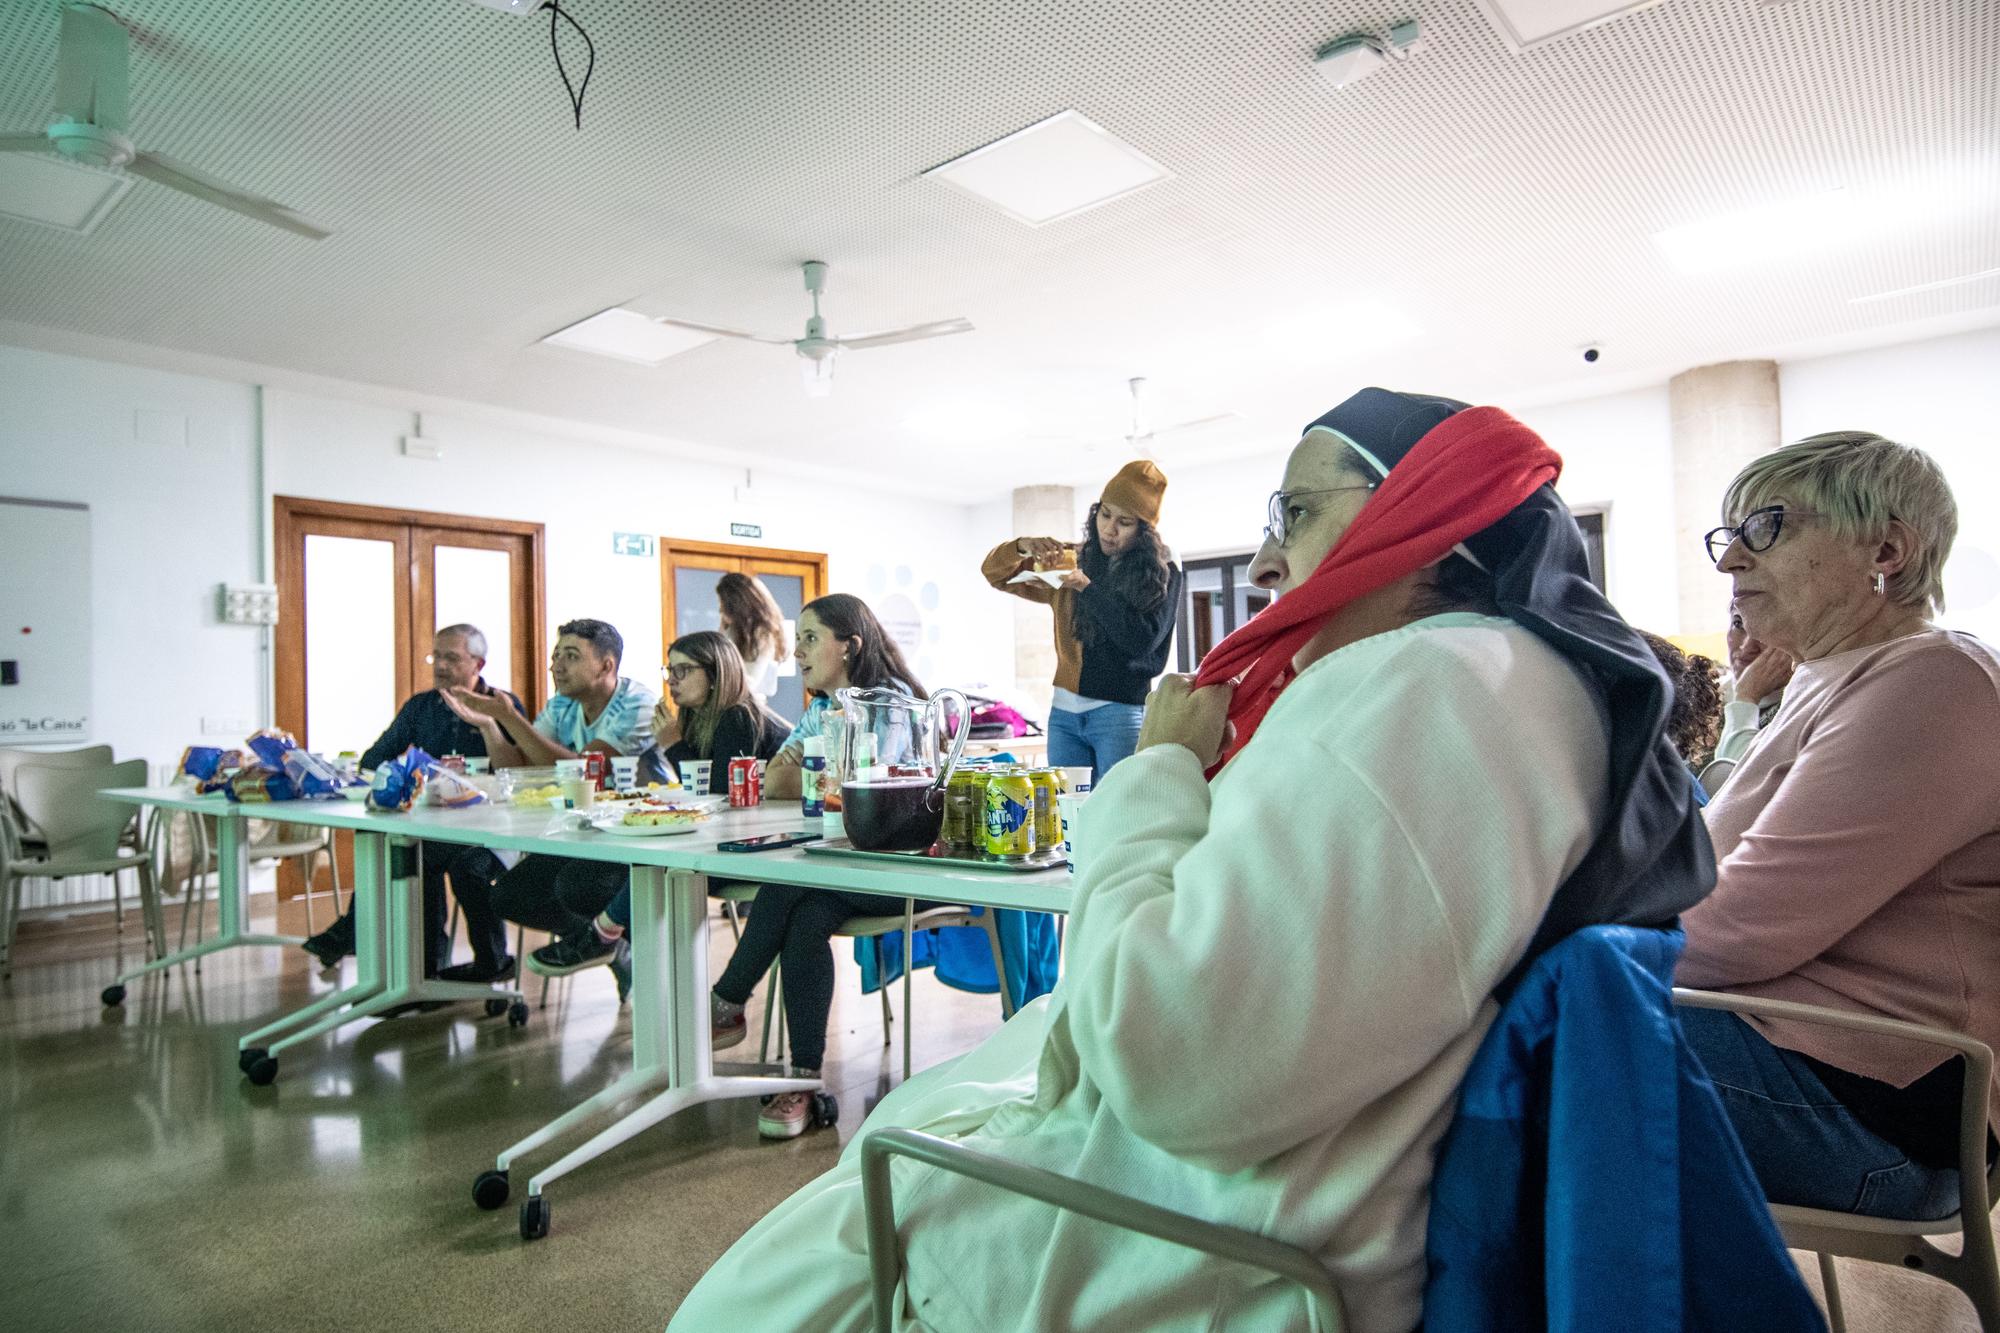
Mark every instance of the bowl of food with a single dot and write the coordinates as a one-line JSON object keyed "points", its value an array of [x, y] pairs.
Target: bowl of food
{"points": [[528, 786]]}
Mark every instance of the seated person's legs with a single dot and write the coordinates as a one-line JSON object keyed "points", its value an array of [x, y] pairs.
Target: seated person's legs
{"points": [[582, 890], [472, 872], [1808, 1148], [527, 894]]}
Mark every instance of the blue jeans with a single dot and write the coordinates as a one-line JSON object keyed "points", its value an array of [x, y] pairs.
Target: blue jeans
{"points": [[1095, 740], [1806, 1147]]}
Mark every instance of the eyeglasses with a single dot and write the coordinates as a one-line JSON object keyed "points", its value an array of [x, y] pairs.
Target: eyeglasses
{"points": [[679, 671], [1278, 531], [1758, 530], [446, 659]]}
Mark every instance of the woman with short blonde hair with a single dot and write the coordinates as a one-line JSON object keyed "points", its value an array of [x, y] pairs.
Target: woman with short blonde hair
{"points": [[1858, 841]]}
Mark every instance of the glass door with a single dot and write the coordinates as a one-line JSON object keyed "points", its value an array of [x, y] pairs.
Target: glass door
{"points": [[689, 572], [1219, 598]]}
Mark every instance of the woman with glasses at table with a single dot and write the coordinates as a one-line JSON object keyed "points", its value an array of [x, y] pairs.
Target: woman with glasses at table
{"points": [[1438, 752], [1858, 843], [715, 716]]}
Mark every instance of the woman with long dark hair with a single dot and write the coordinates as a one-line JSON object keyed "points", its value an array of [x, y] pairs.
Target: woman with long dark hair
{"points": [[1114, 616], [753, 622], [840, 644]]}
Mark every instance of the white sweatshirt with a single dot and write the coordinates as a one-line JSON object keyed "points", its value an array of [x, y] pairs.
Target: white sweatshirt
{"points": [[1275, 983]]}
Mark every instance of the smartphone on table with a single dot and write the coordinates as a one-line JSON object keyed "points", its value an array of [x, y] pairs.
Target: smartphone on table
{"points": [[767, 842]]}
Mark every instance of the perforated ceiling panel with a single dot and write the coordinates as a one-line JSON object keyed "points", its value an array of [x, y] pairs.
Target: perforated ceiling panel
{"points": [[1503, 202]]}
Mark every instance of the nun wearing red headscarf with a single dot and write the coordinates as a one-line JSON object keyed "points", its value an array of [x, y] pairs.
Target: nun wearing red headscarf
{"points": [[1438, 752]]}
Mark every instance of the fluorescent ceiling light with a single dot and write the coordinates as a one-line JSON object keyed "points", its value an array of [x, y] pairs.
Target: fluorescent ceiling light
{"points": [[962, 421], [44, 189], [628, 336], [1962, 279], [1054, 169], [1339, 333], [1529, 23], [1772, 233]]}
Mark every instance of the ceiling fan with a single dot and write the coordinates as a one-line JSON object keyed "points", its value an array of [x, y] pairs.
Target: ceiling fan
{"points": [[817, 351], [1140, 438], [93, 55]]}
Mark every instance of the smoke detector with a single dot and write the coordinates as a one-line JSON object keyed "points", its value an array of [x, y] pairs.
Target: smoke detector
{"points": [[1350, 59]]}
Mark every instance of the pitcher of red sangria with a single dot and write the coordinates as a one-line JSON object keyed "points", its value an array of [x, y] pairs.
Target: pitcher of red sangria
{"points": [[894, 766]]}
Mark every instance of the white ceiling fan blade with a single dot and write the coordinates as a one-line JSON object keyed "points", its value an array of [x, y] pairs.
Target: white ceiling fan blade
{"points": [[92, 53], [942, 328], [727, 333], [164, 171], [1197, 423], [24, 143]]}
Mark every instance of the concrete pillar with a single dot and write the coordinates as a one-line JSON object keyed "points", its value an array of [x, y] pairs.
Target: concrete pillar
{"points": [[1039, 511], [1723, 417]]}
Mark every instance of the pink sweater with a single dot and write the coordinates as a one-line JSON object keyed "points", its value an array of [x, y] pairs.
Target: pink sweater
{"points": [[1858, 854]]}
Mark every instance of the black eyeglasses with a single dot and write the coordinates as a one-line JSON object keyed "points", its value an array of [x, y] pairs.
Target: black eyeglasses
{"points": [[679, 670], [1758, 530], [1279, 529]]}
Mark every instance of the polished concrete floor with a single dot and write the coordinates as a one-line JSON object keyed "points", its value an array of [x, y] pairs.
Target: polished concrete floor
{"points": [[145, 1184]]}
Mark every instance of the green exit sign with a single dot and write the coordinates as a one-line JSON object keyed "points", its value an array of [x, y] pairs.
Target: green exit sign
{"points": [[745, 530], [631, 543]]}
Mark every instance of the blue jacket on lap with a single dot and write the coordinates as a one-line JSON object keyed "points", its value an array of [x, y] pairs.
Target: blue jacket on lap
{"points": [[1590, 1179]]}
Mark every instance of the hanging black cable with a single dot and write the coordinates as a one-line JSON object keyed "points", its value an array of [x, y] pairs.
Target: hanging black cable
{"points": [[575, 93]]}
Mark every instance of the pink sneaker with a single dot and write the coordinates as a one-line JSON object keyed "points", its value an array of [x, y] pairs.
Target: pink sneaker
{"points": [[726, 1032], [786, 1116]]}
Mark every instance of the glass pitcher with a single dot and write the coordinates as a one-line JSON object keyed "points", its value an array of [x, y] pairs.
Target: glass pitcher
{"points": [[893, 766]]}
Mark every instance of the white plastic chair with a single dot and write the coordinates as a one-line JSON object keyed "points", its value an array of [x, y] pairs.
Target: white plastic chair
{"points": [[1882, 1240], [1714, 774], [876, 927], [83, 834], [30, 838], [268, 843]]}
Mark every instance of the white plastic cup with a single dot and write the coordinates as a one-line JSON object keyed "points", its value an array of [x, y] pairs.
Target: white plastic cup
{"points": [[569, 768], [695, 774], [478, 764], [1078, 778], [1069, 804], [624, 771]]}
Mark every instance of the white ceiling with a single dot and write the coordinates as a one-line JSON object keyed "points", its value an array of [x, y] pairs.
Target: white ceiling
{"points": [[1503, 202]]}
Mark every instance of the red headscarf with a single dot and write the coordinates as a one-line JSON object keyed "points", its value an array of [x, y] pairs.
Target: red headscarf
{"points": [[1464, 475]]}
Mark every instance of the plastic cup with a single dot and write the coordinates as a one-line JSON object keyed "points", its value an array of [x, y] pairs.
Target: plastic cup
{"points": [[478, 764], [1078, 778], [1069, 804], [624, 771], [695, 774]]}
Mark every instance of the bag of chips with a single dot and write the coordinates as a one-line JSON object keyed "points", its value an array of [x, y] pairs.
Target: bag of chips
{"points": [[312, 777], [400, 782], [444, 787], [257, 784]]}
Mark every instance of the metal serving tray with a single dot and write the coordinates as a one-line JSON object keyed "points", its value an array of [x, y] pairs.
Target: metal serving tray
{"points": [[939, 855]]}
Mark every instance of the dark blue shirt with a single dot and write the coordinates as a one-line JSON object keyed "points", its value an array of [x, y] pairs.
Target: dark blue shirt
{"points": [[427, 722]]}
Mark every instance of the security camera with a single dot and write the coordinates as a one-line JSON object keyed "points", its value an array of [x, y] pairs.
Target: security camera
{"points": [[1590, 355]]}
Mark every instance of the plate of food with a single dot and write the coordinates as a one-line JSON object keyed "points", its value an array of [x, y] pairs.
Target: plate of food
{"points": [[654, 821]]}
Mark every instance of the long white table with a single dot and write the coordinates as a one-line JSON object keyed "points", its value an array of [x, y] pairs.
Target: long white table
{"points": [[232, 880], [672, 1059]]}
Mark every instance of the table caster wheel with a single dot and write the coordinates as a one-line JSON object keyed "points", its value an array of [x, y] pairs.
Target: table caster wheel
{"points": [[250, 1056], [495, 1008], [489, 1191], [517, 1014], [534, 1218], [261, 1070], [113, 995], [825, 1109]]}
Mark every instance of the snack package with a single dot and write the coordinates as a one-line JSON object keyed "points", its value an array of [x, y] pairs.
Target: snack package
{"points": [[400, 782], [444, 787], [270, 747], [257, 784], [312, 777]]}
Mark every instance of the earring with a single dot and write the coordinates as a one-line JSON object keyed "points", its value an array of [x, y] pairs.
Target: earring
{"points": [[1881, 584]]}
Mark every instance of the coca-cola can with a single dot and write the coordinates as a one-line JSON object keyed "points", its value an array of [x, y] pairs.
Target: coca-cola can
{"points": [[745, 786], [594, 768]]}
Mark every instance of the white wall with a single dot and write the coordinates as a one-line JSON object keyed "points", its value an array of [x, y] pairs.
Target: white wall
{"points": [[1943, 396], [170, 522]]}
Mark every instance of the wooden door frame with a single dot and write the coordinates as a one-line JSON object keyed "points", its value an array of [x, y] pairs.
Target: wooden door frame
{"points": [[288, 548], [673, 546]]}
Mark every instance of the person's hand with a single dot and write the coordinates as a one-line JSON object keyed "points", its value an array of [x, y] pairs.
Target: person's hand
{"points": [[1769, 673], [1038, 548], [1179, 714], [475, 707], [1075, 580], [666, 725]]}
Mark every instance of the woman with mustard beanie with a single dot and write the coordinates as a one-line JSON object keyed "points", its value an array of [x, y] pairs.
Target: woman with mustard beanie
{"points": [[1114, 599]]}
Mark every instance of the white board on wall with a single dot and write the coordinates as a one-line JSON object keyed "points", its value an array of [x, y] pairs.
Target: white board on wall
{"points": [[44, 622]]}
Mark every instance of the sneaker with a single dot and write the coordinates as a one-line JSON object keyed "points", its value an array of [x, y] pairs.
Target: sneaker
{"points": [[477, 972], [726, 1032], [785, 1116], [572, 953], [331, 945], [621, 967]]}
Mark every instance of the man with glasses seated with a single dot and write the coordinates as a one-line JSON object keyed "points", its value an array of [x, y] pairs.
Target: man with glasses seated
{"points": [[432, 722]]}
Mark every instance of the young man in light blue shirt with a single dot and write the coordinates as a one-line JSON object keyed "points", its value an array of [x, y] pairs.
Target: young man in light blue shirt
{"points": [[594, 708]]}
